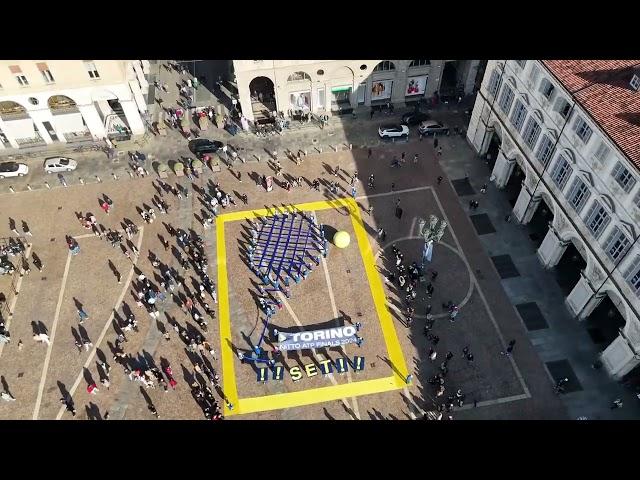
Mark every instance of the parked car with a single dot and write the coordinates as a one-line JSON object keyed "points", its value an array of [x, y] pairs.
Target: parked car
{"points": [[414, 118], [59, 164], [202, 146], [431, 127], [13, 169], [393, 130]]}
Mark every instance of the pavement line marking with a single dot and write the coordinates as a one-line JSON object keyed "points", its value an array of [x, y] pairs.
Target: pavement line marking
{"points": [[14, 300], [318, 395], [392, 343], [226, 351], [413, 226], [299, 323], [323, 394], [104, 330], [45, 367], [484, 301], [497, 401], [334, 308], [395, 192]]}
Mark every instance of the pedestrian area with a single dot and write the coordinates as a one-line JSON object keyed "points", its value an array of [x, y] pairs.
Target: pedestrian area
{"points": [[347, 287]]}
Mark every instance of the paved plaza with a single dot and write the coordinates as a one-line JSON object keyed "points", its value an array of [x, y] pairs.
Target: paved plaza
{"points": [[347, 287]]}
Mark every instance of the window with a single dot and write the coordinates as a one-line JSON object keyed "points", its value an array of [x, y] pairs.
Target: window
{"points": [[578, 194], [420, 63], [518, 115], [546, 88], [602, 152], [321, 99], [22, 80], [494, 83], [521, 63], [506, 99], [46, 73], [385, 66], [583, 130], [531, 133], [545, 151], [48, 78], [534, 74], [633, 275], [617, 244], [91, 69], [564, 108], [623, 177], [298, 76], [320, 72], [363, 67], [597, 219], [635, 82], [561, 172]]}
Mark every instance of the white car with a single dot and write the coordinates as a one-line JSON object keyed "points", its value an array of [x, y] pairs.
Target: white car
{"points": [[13, 169], [393, 130], [59, 164]]}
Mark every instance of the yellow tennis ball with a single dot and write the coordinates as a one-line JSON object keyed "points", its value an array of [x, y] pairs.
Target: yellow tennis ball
{"points": [[341, 239]]}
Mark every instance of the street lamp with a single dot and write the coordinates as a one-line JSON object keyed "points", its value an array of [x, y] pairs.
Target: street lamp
{"points": [[433, 232]]}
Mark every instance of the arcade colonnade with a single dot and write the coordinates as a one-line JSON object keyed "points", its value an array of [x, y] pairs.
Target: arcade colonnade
{"points": [[70, 115], [601, 277]]}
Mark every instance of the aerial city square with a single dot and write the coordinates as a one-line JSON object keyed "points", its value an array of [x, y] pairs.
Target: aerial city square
{"points": [[319, 240]]}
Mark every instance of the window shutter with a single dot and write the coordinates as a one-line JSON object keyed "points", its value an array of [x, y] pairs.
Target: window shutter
{"points": [[15, 69], [42, 66]]}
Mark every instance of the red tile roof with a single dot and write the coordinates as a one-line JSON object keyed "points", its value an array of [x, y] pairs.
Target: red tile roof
{"points": [[602, 88]]}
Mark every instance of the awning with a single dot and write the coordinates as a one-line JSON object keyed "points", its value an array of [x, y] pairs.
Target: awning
{"points": [[341, 89], [71, 122], [23, 128]]}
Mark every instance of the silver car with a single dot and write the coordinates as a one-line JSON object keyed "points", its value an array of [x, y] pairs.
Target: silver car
{"points": [[431, 127], [59, 164], [13, 169]]}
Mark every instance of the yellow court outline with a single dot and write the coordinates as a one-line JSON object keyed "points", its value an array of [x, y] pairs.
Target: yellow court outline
{"points": [[320, 394]]}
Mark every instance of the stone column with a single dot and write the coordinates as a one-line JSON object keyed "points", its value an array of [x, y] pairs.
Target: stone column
{"points": [[245, 99], [502, 170], [133, 116], [12, 141], [399, 86], [619, 358], [552, 248], [525, 205], [581, 300], [470, 78], [38, 116], [92, 119]]}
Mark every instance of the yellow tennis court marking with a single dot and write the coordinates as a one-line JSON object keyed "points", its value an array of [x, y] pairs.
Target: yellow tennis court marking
{"points": [[314, 395]]}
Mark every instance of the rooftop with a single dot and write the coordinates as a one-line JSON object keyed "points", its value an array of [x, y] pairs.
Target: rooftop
{"points": [[602, 88]]}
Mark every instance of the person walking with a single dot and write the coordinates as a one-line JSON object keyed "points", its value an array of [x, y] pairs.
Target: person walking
{"points": [[25, 229], [439, 180], [432, 354], [435, 142], [82, 314], [370, 209], [509, 349], [92, 388], [415, 158], [7, 397], [153, 410], [617, 403], [105, 206]]}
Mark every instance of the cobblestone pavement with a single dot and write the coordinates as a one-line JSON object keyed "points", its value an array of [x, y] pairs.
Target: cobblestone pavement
{"points": [[37, 375]]}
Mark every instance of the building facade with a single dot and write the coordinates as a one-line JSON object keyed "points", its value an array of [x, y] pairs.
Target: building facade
{"points": [[341, 86], [63, 101], [569, 131]]}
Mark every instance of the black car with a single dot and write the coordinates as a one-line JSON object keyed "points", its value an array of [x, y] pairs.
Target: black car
{"points": [[414, 118], [202, 146]]}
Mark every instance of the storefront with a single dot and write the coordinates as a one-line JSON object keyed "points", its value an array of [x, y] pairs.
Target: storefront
{"points": [[299, 104], [381, 91], [416, 87], [341, 99]]}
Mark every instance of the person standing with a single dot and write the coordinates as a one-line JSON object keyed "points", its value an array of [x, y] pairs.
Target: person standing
{"points": [[415, 158], [25, 229], [435, 142]]}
